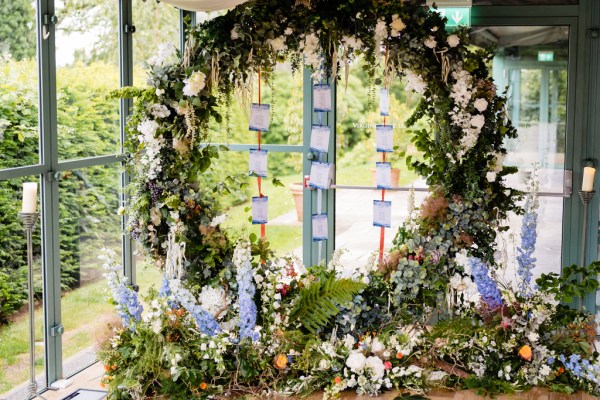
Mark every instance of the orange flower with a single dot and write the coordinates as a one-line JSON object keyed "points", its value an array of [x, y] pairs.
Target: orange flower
{"points": [[203, 386], [399, 355], [526, 353], [113, 367], [337, 380], [280, 361], [107, 368]]}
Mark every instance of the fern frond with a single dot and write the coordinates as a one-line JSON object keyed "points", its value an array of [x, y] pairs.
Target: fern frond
{"points": [[319, 301]]}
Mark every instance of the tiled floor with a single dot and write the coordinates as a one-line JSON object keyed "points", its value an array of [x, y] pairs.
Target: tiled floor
{"points": [[90, 379]]}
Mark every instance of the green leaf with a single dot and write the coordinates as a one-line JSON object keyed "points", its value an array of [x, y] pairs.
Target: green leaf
{"points": [[277, 183]]}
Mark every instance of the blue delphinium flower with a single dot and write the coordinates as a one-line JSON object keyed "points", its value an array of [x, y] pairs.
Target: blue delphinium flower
{"points": [[525, 257], [165, 292], [582, 368], [126, 299], [489, 292], [205, 321], [247, 308]]}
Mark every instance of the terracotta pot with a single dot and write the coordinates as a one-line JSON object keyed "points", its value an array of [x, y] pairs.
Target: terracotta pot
{"points": [[297, 188], [395, 177]]}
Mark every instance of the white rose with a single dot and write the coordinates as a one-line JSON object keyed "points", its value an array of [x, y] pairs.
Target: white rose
{"points": [[288, 31], [356, 361], [478, 121], [376, 366], [430, 42], [453, 40], [481, 104], [277, 44], [194, 84], [160, 92]]}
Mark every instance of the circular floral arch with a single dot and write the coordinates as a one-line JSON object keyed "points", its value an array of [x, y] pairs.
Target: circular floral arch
{"points": [[230, 320], [462, 150]]}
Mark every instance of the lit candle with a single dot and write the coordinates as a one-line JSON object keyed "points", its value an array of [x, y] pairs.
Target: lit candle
{"points": [[588, 179], [29, 197]]}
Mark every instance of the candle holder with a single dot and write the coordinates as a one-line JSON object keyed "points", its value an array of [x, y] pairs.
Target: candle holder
{"points": [[29, 220], [586, 198]]}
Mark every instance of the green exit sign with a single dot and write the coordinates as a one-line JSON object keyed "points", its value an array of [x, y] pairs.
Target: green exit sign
{"points": [[457, 16], [545, 56]]}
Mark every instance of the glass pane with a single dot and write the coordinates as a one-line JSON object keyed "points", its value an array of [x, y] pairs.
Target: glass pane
{"points": [[14, 313], [284, 94], [19, 137], [532, 63], [523, 2], [354, 230], [357, 116], [89, 222], [156, 35], [87, 70]]}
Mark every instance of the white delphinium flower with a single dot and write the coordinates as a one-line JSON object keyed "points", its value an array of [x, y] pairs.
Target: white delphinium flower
{"points": [[152, 146], [194, 84], [277, 44], [415, 82], [430, 42], [218, 220], [349, 341], [165, 52], [453, 40], [159, 111], [397, 25], [481, 104], [147, 128], [356, 361], [381, 31], [376, 366]]}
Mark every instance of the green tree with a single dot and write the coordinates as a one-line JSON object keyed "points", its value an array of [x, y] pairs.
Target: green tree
{"points": [[17, 33]]}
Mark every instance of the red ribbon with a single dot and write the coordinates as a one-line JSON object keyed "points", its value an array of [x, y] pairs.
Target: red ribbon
{"points": [[263, 233], [382, 232]]}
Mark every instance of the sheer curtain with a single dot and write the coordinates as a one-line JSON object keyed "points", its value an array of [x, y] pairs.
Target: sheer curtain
{"points": [[204, 5]]}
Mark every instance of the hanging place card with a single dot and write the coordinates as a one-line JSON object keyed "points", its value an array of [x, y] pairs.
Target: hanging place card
{"points": [[384, 102], [259, 117], [258, 163], [320, 229], [321, 175], [382, 213], [383, 175], [322, 97], [259, 210], [384, 138], [319, 138]]}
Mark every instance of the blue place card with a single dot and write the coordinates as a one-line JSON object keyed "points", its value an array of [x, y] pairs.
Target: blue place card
{"points": [[259, 117], [384, 102], [382, 213], [258, 163], [320, 229], [383, 175], [319, 138], [322, 97], [384, 138], [260, 210], [321, 175]]}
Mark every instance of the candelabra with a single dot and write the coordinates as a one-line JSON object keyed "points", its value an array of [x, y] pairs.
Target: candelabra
{"points": [[29, 220], [586, 198]]}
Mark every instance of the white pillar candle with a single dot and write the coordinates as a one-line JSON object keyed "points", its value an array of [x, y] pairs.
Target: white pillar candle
{"points": [[29, 197], [588, 179]]}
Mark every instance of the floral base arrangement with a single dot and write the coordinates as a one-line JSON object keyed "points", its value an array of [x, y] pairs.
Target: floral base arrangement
{"points": [[231, 318]]}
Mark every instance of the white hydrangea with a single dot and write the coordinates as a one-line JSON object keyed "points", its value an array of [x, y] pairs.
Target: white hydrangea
{"points": [[159, 111], [213, 300], [376, 366], [381, 31], [356, 361], [277, 44], [312, 54], [397, 25], [352, 41], [194, 84], [218, 220], [415, 82]]}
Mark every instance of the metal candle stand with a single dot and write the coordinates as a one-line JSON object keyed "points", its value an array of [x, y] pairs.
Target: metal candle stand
{"points": [[29, 220], [586, 198]]}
